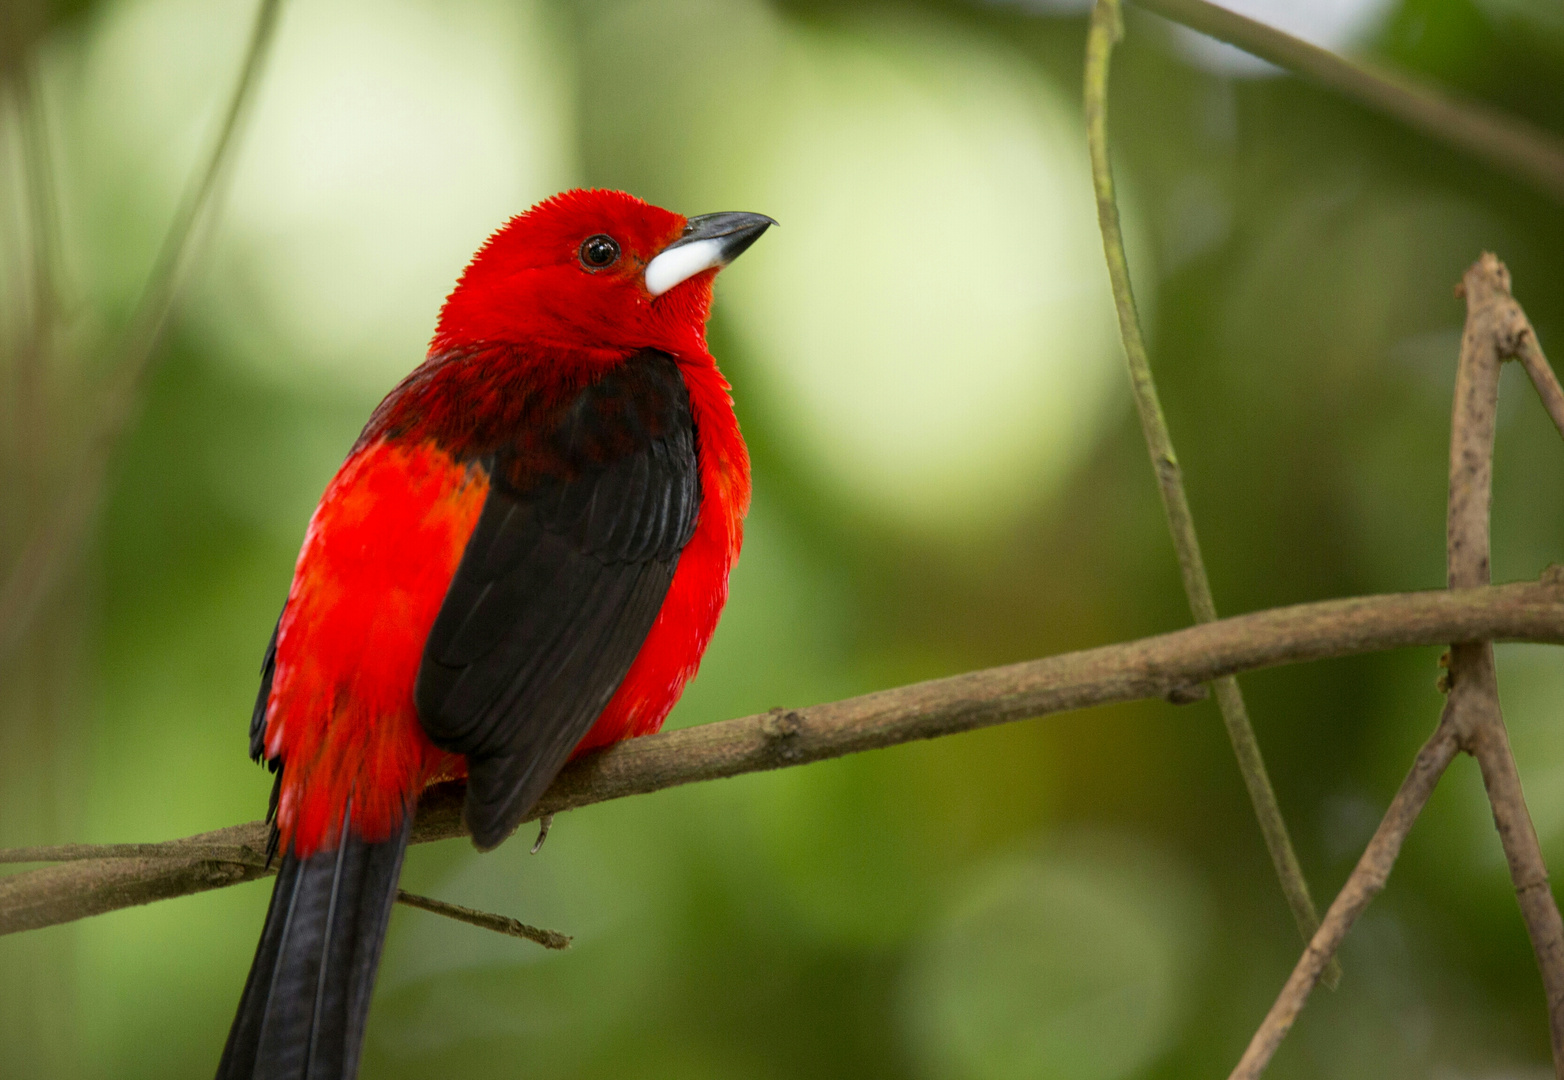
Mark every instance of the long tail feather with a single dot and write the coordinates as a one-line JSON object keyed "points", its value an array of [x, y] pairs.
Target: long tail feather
{"points": [[305, 1003]]}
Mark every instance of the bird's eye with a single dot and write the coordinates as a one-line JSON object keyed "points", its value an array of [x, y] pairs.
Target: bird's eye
{"points": [[598, 251]]}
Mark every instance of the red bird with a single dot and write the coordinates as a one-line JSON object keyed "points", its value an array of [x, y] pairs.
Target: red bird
{"points": [[522, 558]]}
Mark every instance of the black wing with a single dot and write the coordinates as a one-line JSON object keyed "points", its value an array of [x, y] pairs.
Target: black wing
{"points": [[258, 739], [559, 584], [258, 715]]}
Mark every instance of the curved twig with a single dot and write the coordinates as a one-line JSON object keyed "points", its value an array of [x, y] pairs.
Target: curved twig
{"points": [[1365, 883], [1106, 28]]}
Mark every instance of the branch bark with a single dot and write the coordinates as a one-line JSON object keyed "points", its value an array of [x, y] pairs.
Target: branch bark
{"points": [[1365, 883], [1518, 147], [1106, 28], [1496, 329], [484, 920], [1529, 353], [1165, 666]]}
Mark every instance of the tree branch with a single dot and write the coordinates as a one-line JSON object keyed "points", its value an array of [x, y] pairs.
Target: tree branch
{"points": [[1496, 329], [1516, 146], [1106, 28], [247, 856], [169, 849], [500, 924], [1529, 353], [1365, 883], [1165, 666]]}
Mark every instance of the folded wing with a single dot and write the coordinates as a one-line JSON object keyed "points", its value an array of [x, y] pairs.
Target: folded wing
{"points": [[559, 585]]}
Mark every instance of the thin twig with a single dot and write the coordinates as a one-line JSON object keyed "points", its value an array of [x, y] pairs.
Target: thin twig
{"points": [[1543, 379], [500, 924], [1106, 29], [54, 542], [1520, 148], [1165, 667], [1495, 330], [1365, 883]]}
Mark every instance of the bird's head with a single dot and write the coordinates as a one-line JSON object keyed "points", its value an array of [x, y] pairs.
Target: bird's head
{"points": [[599, 273]]}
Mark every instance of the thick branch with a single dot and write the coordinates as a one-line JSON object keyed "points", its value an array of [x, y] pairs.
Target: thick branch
{"points": [[1105, 31], [1520, 148], [1158, 667]]}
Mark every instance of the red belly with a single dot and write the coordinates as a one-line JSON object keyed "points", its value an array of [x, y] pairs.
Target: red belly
{"points": [[378, 556]]}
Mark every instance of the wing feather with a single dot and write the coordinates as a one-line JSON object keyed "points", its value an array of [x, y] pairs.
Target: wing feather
{"points": [[564, 574]]}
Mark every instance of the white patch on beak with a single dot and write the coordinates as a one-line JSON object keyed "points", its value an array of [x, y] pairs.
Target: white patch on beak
{"points": [[681, 263]]}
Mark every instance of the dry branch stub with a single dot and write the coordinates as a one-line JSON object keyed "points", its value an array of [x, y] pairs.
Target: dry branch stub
{"points": [[502, 924], [1150, 668]]}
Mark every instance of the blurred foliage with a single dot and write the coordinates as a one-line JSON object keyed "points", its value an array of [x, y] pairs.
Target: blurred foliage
{"points": [[947, 477]]}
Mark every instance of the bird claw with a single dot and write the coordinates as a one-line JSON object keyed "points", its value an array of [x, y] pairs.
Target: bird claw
{"points": [[543, 827]]}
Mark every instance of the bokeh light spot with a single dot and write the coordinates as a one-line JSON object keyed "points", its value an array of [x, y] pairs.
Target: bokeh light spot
{"points": [[1066, 964], [932, 321], [388, 140]]}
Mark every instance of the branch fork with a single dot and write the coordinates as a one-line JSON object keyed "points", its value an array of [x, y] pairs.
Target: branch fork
{"points": [[1496, 330]]}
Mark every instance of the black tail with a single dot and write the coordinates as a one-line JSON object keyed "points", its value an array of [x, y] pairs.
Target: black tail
{"points": [[304, 1006]]}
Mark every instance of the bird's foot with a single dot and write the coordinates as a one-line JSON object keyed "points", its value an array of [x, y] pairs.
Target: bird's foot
{"points": [[543, 827]]}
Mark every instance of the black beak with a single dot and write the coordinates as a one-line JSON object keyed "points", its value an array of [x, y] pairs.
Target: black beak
{"points": [[736, 232], [710, 240]]}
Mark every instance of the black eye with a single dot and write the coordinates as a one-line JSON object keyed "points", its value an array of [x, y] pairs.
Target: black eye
{"points": [[599, 251]]}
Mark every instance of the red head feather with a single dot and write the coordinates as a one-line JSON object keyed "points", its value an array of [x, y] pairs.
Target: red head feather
{"points": [[529, 283]]}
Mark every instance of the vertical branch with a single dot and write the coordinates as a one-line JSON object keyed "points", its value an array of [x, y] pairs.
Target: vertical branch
{"points": [[1106, 29], [52, 545], [1496, 329]]}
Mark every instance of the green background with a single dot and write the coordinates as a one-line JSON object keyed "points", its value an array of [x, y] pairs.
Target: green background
{"points": [[948, 476]]}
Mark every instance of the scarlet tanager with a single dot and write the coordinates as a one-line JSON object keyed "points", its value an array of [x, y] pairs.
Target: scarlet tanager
{"points": [[522, 558]]}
